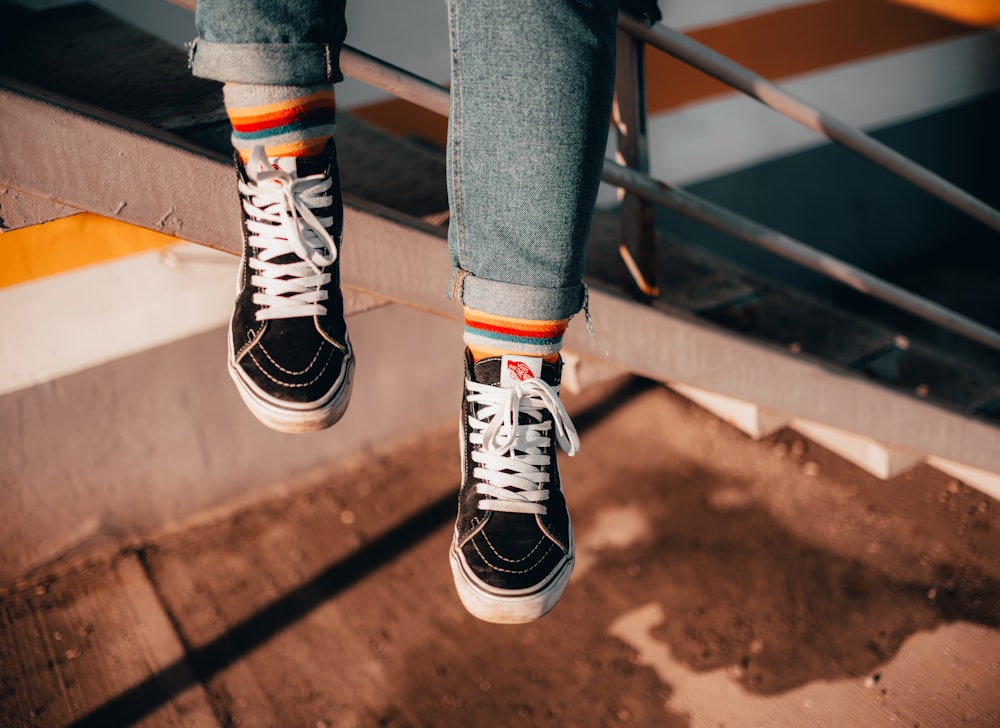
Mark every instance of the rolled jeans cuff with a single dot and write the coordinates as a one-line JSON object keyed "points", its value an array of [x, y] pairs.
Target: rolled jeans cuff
{"points": [[515, 300], [273, 64]]}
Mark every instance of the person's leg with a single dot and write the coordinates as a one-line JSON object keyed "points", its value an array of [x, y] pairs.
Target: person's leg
{"points": [[275, 42], [530, 110], [531, 103], [279, 61], [290, 355]]}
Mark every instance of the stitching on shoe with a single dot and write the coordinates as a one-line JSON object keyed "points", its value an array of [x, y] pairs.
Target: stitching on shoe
{"points": [[253, 336], [289, 371], [290, 384], [544, 527], [513, 561], [510, 571], [486, 538]]}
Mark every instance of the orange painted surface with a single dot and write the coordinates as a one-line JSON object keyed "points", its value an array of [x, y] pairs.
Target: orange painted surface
{"points": [[405, 119], [795, 40], [69, 243]]}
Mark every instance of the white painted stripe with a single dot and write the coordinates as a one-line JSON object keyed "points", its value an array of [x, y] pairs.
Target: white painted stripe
{"points": [[65, 323], [723, 134]]}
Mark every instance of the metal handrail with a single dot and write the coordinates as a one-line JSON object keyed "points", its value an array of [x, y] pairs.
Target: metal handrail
{"points": [[720, 218], [435, 97], [395, 80], [759, 88]]}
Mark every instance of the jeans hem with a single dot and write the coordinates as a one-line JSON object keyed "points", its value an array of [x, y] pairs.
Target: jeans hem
{"points": [[272, 64], [515, 300]]}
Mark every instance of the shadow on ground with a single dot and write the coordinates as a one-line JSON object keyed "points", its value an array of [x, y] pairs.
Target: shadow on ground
{"points": [[736, 589], [774, 560]]}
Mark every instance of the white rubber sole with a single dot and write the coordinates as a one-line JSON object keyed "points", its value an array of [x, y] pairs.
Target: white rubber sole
{"points": [[285, 419], [489, 606]]}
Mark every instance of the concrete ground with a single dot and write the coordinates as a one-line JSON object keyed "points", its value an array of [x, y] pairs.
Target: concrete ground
{"points": [[719, 582]]}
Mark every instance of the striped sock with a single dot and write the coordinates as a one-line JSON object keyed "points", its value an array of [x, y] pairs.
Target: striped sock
{"points": [[489, 335], [288, 121]]}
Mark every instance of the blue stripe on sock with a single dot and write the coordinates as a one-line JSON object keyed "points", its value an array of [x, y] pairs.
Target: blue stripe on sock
{"points": [[510, 338]]}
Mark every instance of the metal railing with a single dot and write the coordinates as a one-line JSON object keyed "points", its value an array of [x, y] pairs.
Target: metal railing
{"points": [[759, 88], [640, 190]]}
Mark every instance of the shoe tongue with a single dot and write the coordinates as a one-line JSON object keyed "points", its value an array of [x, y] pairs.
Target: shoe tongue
{"points": [[312, 165], [285, 164], [506, 371], [514, 369]]}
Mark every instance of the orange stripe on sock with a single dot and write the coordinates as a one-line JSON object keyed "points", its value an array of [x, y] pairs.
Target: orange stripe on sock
{"points": [[280, 118], [539, 332], [479, 319], [320, 98]]}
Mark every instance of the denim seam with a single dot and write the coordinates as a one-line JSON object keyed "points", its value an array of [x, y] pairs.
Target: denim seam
{"points": [[457, 288], [295, 64], [455, 139], [502, 298]]}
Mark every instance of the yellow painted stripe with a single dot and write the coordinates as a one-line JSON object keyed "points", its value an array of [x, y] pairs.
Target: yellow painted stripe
{"points": [[69, 243]]}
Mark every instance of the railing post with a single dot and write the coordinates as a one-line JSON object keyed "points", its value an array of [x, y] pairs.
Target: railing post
{"points": [[637, 246]]}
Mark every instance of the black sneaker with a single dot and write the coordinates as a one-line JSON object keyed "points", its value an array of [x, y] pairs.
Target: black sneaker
{"points": [[513, 548], [289, 353]]}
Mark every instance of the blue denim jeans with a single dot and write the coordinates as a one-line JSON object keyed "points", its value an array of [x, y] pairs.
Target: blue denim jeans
{"points": [[531, 89], [273, 42]]}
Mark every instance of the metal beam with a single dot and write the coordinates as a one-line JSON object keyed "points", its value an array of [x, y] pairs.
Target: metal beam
{"points": [[679, 348], [90, 159], [394, 80], [434, 97], [56, 152], [20, 209]]}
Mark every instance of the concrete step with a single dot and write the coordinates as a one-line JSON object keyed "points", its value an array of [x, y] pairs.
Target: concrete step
{"points": [[878, 458]]}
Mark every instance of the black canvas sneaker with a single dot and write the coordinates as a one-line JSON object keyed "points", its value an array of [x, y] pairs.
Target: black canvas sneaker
{"points": [[512, 554], [289, 353]]}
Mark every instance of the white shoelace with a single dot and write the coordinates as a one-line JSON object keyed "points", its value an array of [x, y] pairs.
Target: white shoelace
{"points": [[509, 471], [280, 220]]}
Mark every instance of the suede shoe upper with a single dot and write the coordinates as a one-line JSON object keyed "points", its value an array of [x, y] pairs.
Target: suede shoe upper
{"points": [[513, 528], [290, 353]]}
